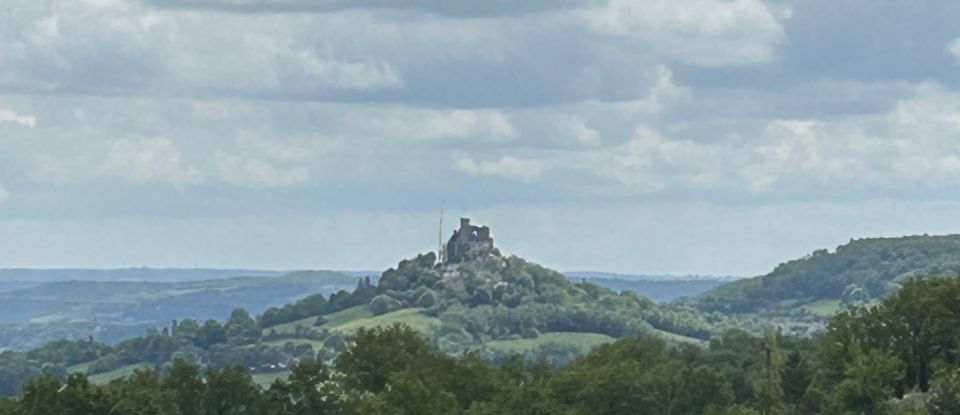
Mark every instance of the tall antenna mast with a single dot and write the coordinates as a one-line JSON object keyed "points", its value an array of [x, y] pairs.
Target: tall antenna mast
{"points": [[440, 237]]}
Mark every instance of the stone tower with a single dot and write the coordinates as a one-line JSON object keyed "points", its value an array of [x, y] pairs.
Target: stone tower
{"points": [[469, 242]]}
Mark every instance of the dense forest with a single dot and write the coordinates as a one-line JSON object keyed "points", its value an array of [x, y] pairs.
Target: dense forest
{"points": [[897, 357]]}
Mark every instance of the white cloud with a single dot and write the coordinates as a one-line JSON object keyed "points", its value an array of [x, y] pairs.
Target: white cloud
{"points": [[663, 94], [705, 32], [247, 171], [330, 73], [84, 45], [247, 162], [10, 116], [145, 160], [257, 162], [4, 194], [593, 148], [954, 48], [585, 134], [506, 167], [650, 162], [109, 46], [271, 60], [49, 168], [452, 9], [283, 151], [463, 123], [917, 143], [141, 160], [379, 129]]}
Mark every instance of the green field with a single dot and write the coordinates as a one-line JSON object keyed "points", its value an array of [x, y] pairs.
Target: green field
{"points": [[676, 338], [823, 308], [584, 342], [344, 316], [262, 379], [316, 344], [266, 379], [121, 372], [291, 327], [79, 368], [350, 320], [412, 317], [333, 320]]}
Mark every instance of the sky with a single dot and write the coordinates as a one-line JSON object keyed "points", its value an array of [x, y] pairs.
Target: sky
{"points": [[715, 137]]}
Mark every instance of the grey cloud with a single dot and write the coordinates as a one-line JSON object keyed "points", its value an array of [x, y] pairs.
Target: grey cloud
{"points": [[453, 8], [854, 39], [117, 48], [356, 56], [701, 32], [848, 41]]}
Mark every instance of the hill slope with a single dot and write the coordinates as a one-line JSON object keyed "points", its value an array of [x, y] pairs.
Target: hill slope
{"points": [[860, 271]]}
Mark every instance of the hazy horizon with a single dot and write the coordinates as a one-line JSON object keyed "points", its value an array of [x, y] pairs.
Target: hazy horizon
{"points": [[240, 272]]}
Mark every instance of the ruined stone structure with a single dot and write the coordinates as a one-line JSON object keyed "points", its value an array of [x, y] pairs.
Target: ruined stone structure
{"points": [[469, 242]]}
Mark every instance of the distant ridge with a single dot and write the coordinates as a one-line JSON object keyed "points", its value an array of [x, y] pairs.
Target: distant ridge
{"points": [[129, 274], [659, 288], [649, 277], [34, 313], [374, 275]]}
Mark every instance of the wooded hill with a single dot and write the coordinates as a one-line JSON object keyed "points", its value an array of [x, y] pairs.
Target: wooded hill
{"points": [[823, 283]]}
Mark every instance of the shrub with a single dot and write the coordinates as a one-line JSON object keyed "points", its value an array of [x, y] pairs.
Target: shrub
{"points": [[383, 304]]}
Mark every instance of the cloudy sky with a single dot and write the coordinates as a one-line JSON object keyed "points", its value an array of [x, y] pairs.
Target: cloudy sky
{"points": [[654, 136]]}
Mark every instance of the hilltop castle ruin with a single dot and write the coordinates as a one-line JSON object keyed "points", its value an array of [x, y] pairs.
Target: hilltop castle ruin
{"points": [[468, 243]]}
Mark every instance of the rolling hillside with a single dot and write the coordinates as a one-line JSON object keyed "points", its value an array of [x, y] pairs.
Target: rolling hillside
{"points": [[114, 310]]}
